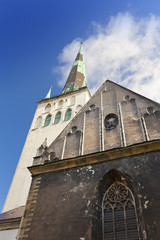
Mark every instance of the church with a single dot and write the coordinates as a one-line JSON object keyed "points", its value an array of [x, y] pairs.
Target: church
{"points": [[89, 169]]}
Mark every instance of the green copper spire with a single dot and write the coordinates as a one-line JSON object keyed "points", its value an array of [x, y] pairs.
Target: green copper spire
{"points": [[49, 93], [77, 76]]}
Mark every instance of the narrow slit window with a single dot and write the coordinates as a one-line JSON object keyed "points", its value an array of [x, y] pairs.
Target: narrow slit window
{"points": [[119, 214]]}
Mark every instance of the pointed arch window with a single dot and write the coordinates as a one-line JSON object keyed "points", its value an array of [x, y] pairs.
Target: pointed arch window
{"points": [[119, 214], [57, 117], [38, 122], [78, 108], [72, 100], [47, 120], [60, 104], [68, 114], [48, 107]]}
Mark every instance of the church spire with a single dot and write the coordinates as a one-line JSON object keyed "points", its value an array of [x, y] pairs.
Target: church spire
{"points": [[77, 76]]}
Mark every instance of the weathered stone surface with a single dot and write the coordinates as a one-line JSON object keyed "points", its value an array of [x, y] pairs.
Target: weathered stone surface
{"points": [[92, 136], [133, 132], [112, 138], [133, 126], [69, 203]]}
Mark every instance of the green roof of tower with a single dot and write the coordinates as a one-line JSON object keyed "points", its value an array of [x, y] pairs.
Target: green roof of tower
{"points": [[77, 76]]}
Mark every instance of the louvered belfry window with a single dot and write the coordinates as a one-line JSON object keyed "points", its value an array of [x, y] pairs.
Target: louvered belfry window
{"points": [[119, 214]]}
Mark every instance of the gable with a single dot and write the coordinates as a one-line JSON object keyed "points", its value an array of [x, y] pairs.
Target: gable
{"points": [[114, 117]]}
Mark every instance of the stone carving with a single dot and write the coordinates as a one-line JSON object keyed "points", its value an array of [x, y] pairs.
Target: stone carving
{"points": [[128, 99], [150, 111], [117, 192]]}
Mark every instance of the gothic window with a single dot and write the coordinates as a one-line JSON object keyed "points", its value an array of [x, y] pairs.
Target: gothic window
{"points": [[48, 108], [78, 108], [47, 120], [72, 100], [60, 104], [119, 214], [68, 114], [38, 122], [57, 118]]}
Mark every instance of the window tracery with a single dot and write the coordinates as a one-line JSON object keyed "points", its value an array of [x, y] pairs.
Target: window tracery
{"points": [[111, 121], [119, 214]]}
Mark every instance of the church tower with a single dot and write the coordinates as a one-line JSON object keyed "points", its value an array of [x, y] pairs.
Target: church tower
{"points": [[51, 117]]}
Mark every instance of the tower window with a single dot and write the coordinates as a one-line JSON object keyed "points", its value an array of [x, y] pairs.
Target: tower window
{"points": [[48, 108], [72, 100], [68, 114], [60, 104], [119, 213], [47, 120], [57, 118], [38, 122]]}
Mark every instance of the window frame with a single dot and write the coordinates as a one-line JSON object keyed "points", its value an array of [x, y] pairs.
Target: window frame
{"points": [[47, 121], [113, 206], [55, 121], [47, 108], [68, 114]]}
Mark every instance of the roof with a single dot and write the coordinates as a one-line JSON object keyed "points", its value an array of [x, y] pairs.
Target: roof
{"points": [[12, 215], [77, 75]]}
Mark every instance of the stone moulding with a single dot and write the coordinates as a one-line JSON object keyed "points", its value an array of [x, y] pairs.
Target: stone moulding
{"points": [[95, 158]]}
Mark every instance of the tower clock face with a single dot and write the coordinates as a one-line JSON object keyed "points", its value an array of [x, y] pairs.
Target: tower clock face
{"points": [[111, 121]]}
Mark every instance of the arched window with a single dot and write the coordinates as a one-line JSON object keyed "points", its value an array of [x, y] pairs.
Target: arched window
{"points": [[60, 104], [68, 114], [38, 122], [72, 100], [119, 213], [47, 120], [57, 118], [47, 108], [78, 108]]}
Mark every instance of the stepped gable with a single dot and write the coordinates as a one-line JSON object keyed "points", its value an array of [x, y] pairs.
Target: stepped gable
{"points": [[115, 117]]}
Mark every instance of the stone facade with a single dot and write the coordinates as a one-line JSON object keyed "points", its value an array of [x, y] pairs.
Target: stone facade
{"points": [[102, 181]]}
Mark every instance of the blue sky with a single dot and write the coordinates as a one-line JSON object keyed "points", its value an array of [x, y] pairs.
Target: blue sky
{"points": [[38, 42]]}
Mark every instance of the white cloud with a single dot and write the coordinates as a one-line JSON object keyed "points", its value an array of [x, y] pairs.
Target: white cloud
{"points": [[126, 51]]}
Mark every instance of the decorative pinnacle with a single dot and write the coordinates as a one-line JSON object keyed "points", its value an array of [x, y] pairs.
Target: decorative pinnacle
{"points": [[49, 93]]}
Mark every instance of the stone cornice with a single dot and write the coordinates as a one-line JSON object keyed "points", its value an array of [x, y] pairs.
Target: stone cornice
{"points": [[95, 158]]}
